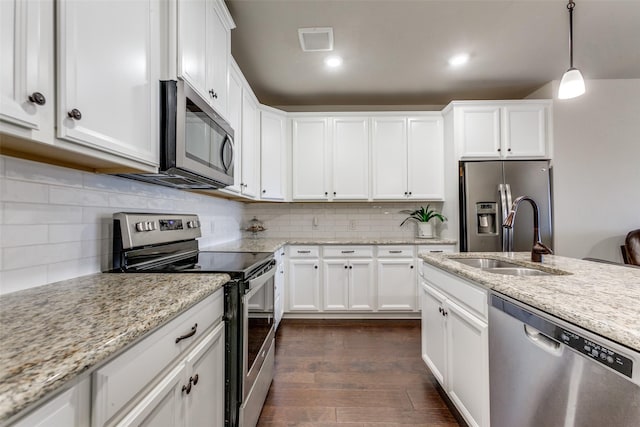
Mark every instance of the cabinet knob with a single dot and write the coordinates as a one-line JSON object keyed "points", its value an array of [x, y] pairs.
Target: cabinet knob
{"points": [[411, 266], [509, 149], [213, 94], [315, 266], [37, 98], [187, 388], [326, 193], [264, 191], [405, 193], [410, 193], [345, 267], [334, 193], [75, 114], [440, 310], [499, 149], [195, 379]]}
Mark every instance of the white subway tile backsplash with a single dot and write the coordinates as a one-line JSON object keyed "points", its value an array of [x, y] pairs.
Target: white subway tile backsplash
{"points": [[38, 172], [69, 232], [23, 235], [24, 278], [22, 191], [31, 213]]}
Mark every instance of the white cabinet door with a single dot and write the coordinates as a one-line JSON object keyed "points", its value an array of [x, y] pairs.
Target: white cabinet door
{"points": [[524, 131], [425, 158], [479, 131], [304, 285], [26, 68], [204, 405], [350, 163], [163, 406], [467, 364], [250, 146], [361, 284], [396, 284], [108, 73], [218, 43], [433, 332], [389, 149], [192, 46], [235, 120], [273, 155], [309, 145], [279, 288], [69, 409], [336, 284]]}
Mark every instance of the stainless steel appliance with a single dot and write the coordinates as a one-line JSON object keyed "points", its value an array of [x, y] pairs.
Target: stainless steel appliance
{"points": [[196, 144], [166, 243], [487, 191], [547, 372]]}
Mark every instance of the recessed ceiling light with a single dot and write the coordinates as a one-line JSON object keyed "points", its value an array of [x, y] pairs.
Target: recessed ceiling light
{"points": [[333, 61], [458, 60]]}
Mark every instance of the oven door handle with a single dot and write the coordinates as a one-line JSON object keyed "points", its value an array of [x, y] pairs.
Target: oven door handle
{"points": [[256, 283]]}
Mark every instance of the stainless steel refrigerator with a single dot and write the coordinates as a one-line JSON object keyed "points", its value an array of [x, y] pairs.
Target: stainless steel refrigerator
{"points": [[487, 191]]}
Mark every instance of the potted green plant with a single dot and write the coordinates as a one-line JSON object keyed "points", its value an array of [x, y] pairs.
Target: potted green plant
{"points": [[422, 217]]}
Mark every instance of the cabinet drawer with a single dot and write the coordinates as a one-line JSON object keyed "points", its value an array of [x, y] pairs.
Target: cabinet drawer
{"points": [[436, 248], [348, 251], [125, 377], [465, 293], [396, 251], [304, 252]]}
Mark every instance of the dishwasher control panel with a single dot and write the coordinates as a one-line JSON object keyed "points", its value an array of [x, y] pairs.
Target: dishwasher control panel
{"points": [[596, 351]]}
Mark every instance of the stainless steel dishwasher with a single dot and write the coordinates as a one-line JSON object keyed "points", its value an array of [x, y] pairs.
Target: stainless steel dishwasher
{"points": [[545, 372]]}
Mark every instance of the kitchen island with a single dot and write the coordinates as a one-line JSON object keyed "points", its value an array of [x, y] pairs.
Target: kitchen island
{"points": [[601, 298], [53, 335]]}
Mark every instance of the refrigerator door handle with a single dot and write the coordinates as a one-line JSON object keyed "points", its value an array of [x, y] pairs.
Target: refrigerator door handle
{"points": [[504, 208]]}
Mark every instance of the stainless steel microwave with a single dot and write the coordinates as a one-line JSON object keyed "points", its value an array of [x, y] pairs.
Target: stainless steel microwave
{"points": [[196, 143]]}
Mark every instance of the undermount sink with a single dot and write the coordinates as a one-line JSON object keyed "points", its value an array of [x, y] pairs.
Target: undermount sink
{"points": [[497, 266]]}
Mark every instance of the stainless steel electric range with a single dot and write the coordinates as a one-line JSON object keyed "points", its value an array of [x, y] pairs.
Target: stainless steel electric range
{"points": [[166, 243]]}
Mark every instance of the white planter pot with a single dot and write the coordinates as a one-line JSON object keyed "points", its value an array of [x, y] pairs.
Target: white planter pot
{"points": [[425, 230]]}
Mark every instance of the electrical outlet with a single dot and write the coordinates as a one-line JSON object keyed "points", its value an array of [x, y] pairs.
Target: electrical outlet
{"points": [[352, 224]]}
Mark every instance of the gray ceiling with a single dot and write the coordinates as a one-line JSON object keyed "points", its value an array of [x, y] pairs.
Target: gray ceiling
{"points": [[395, 51]]}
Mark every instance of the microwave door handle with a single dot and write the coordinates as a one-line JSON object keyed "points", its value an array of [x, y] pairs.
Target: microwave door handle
{"points": [[227, 140]]}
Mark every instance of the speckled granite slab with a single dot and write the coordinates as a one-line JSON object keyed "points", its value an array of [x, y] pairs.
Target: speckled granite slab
{"points": [[601, 298], [272, 245], [51, 334]]}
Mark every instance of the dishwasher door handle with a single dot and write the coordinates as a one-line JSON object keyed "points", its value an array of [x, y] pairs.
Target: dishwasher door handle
{"points": [[543, 341]]}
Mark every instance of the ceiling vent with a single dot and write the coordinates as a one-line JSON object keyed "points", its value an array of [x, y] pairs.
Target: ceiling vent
{"points": [[316, 39]]}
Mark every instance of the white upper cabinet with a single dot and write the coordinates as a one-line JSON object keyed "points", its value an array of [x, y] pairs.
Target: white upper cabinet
{"points": [[108, 73], [502, 130], [250, 145], [235, 120], [204, 46], [273, 155], [309, 141], [350, 159], [26, 69], [408, 158]]}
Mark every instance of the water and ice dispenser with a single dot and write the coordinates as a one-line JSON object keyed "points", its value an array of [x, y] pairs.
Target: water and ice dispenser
{"points": [[486, 218]]}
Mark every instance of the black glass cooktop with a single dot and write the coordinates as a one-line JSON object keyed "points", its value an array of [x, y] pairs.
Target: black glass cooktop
{"points": [[235, 263]]}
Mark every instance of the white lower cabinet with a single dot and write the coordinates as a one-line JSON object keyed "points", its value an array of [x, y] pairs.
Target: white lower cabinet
{"points": [[455, 345], [397, 284], [173, 377], [70, 408], [348, 284], [278, 287], [304, 279]]}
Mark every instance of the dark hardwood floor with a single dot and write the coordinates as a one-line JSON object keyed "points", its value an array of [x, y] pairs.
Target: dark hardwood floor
{"points": [[352, 373]]}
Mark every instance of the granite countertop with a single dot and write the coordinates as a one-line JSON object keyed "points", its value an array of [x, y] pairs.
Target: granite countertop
{"points": [[272, 245], [601, 298], [52, 334]]}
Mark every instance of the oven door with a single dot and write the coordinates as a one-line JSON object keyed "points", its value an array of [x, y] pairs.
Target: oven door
{"points": [[258, 325]]}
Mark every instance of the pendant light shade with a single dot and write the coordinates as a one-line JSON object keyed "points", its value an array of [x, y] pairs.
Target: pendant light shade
{"points": [[572, 83]]}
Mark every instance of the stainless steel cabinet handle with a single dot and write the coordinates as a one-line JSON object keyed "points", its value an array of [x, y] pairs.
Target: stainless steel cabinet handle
{"points": [[395, 252], [347, 252], [37, 98], [75, 114], [304, 252], [194, 328]]}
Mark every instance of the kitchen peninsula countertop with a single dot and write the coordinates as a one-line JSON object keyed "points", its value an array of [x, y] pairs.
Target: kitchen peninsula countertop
{"points": [[601, 298], [273, 244], [51, 334]]}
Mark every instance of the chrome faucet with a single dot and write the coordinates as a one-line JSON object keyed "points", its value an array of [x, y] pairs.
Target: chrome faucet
{"points": [[538, 248]]}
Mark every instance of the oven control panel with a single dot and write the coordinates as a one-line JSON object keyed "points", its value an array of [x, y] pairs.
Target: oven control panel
{"points": [[149, 229]]}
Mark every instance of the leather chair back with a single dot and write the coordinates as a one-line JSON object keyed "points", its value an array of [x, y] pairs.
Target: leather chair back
{"points": [[632, 247]]}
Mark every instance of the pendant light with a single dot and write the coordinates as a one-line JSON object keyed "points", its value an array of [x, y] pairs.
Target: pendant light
{"points": [[572, 83]]}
